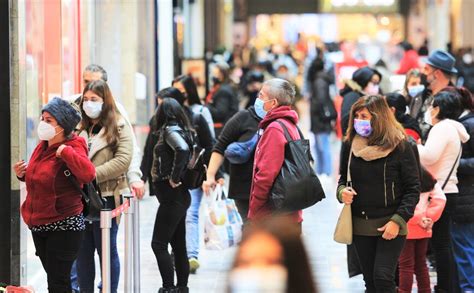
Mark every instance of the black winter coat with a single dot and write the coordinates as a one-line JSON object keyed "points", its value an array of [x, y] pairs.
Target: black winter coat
{"points": [[349, 96], [171, 154], [464, 205], [241, 127], [223, 106], [320, 100], [386, 186]]}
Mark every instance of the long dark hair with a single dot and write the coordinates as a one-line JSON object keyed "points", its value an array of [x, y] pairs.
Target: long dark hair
{"points": [[108, 116], [190, 87], [171, 111], [295, 258]]}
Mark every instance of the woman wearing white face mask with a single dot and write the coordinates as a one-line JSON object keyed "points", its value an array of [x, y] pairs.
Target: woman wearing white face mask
{"points": [[109, 140], [53, 207], [271, 258], [440, 156]]}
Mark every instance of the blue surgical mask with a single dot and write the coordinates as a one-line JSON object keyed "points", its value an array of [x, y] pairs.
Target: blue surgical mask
{"points": [[363, 127], [259, 107], [414, 91]]}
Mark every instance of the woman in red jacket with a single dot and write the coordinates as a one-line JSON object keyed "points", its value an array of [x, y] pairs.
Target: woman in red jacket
{"points": [[53, 207]]}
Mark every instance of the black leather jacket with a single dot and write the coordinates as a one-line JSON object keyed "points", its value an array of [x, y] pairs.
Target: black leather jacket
{"points": [[171, 154]]}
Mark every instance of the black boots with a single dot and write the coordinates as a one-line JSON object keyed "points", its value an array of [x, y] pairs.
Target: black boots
{"points": [[174, 290]]}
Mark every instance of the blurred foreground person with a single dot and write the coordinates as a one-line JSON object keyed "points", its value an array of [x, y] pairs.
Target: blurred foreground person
{"points": [[271, 258], [53, 207]]}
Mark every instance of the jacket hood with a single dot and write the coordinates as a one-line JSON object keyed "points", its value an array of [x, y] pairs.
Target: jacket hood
{"points": [[282, 112], [462, 132], [252, 112], [74, 141], [350, 86]]}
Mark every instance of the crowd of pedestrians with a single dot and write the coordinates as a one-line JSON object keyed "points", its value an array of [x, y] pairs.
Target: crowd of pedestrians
{"points": [[406, 170]]}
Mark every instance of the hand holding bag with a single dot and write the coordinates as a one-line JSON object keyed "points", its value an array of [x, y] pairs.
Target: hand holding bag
{"points": [[343, 231], [223, 224]]}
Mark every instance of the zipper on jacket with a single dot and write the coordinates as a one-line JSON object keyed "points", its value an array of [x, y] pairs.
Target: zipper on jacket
{"points": [[393, 191], [159, 166], [385, 181]]}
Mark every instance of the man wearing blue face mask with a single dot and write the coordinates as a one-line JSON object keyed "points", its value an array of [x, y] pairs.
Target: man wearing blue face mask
{"points": [[273, 105]]}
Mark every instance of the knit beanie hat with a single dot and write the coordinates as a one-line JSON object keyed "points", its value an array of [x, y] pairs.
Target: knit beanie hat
{"points": [[363, 76], [64, 113]]}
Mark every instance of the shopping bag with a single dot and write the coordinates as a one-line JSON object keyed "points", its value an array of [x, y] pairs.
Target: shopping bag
{"points": [[223, 224]]}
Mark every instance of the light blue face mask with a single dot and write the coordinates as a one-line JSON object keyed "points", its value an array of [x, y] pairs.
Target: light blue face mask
{"points": [[259, 107], [414, 91]]}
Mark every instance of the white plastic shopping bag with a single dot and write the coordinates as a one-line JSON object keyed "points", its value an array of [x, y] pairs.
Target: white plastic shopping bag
{"points": [[223, 224]]}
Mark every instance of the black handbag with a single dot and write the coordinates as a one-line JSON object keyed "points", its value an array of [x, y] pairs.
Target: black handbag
{"points": [[297, 187], [91, 198]]}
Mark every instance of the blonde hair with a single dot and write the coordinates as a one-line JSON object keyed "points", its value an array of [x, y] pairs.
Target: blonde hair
{"points": [[387, 133]]}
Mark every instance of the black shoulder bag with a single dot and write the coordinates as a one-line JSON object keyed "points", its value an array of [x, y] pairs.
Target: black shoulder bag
{"points": [[297, 187], [91, 198]]}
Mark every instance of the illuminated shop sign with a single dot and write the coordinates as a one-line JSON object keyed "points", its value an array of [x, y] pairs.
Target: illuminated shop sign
{"points": [[359, 6]]}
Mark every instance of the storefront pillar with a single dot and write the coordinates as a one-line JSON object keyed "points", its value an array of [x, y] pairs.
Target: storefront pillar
{"points": [[12, 148]]}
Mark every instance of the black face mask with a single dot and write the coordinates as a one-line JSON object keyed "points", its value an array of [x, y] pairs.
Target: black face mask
{"points": [[424, 80], [216, 80]]}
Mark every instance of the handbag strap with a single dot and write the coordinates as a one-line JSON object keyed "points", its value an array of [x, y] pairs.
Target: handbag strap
{"points": [[287, 134], [74, 182], [452, 169], [349, 178]]}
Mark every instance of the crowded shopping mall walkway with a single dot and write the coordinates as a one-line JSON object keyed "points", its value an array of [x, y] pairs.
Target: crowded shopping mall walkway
{"points": [[328, 258]]}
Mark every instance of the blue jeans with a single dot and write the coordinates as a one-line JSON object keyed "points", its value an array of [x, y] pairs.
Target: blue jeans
{"points": [[85, 260], [74, 280], [462, 238], [192, 224], [323, 153]]}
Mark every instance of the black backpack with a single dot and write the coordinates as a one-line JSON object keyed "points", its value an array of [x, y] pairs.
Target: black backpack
{"points": [[297, 187], [196, 169]]}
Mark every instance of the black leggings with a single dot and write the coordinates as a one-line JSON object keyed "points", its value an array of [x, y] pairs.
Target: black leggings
{"points": [[57, 251], [378, 259], [170, 228]]}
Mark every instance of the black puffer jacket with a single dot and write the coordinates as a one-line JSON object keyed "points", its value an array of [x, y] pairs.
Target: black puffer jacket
{"points": [[241, 127], [464, 207], [385, 186], [224, 105], [171, 153]]}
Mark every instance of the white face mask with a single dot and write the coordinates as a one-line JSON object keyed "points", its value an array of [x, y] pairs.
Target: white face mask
{"points": [[467, 58], [258, 279], [46, 131], [92, 109]]}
